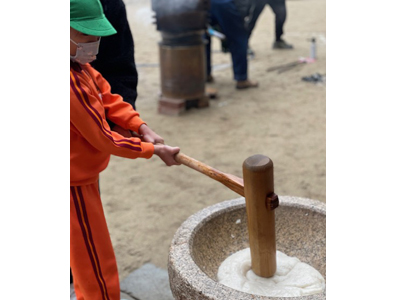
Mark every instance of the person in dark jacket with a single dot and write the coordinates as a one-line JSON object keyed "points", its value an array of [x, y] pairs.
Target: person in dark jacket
{"points": [[116, 61]]}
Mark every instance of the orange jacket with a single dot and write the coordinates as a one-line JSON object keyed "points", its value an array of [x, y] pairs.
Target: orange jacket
{"points": [[91, 139]]}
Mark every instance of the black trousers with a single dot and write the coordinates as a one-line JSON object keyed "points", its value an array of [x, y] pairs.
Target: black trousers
{"points": [[279, 9]]}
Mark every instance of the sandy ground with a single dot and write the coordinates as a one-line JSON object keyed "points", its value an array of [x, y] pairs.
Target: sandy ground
{"points": [[145, 201]]}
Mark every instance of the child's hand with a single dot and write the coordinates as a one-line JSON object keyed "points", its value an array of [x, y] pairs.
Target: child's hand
{"points": [[149, 135], [167, 154]]}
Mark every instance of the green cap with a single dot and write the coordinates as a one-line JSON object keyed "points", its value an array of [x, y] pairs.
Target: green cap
{"points": [[87, 16]]}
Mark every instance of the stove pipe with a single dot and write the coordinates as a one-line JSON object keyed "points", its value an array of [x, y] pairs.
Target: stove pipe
{"points": [[182, 24]]}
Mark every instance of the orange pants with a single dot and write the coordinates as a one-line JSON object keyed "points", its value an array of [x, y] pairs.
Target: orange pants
{"points": [[92, 259]]}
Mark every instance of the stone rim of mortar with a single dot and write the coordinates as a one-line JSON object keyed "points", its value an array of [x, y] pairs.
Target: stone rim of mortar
{"points": [[187, 269]]}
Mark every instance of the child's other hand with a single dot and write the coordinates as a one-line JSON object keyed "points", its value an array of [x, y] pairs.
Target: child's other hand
{"points": [[149, 135], [167, 154], [124, 132]]}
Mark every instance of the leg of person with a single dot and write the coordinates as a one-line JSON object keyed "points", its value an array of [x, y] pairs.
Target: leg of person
{"points": [[92, 258], [213, 23], [256, 9], [207, 39], [279, 9], [233, 27]]}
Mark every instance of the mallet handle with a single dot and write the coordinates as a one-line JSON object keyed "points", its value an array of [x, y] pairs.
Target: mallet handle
{"points": [[232, 182]]}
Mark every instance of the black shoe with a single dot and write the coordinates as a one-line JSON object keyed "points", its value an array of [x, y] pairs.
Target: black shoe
{"points": [[225, 46], [316, 77], [281, 44]]}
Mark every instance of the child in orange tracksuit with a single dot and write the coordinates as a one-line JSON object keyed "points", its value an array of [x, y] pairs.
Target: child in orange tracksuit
{"points": [[92, 142]]}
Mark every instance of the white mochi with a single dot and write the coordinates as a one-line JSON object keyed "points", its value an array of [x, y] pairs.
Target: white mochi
{"points": [[292, 278]]}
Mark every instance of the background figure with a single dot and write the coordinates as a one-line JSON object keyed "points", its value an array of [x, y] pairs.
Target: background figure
{"points": [[225, 14], [279, 9], [115, 60]]}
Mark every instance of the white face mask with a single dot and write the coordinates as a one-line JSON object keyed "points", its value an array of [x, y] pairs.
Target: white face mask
{"points": [[86, 52]]}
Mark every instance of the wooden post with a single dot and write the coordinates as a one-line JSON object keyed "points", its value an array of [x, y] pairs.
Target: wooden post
{"points": [[258, 179]]}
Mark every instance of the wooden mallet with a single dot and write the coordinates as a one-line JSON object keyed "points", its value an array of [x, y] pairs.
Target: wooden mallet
{"points": [[258, 190]]}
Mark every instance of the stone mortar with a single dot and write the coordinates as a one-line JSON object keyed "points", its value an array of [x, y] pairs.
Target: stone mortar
{"points": [[208, 237]]}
